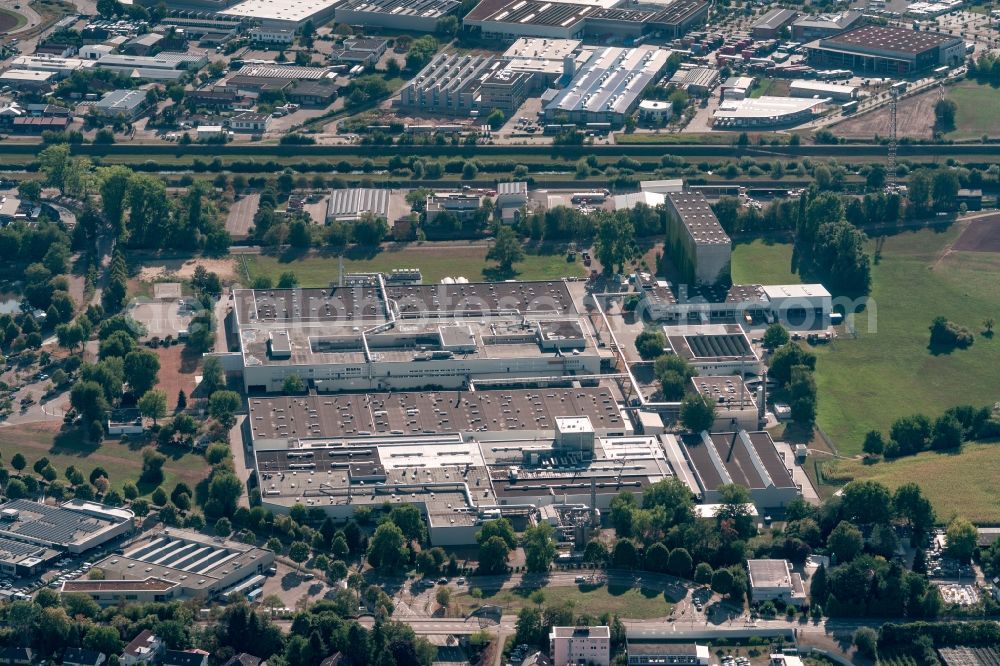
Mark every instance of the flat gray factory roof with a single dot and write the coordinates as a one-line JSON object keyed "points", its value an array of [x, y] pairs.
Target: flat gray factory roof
{"points": [[408, 340], [182, 556], [355, 201], [431, 412], [696, 214], [679, 11], [775, 18], [746, 459], [830, 21], [484, 297], [890, 39], [441, 472], [746, 293], [255, 306], [282, 72], [163, 59], [51, 524], [527, 10], [418, 8], [611, 80]]}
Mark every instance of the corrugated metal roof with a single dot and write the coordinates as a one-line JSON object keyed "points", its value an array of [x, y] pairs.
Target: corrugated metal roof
{"points": [[353, 203]]}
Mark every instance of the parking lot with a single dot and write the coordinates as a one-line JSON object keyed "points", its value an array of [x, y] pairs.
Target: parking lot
{"points": [[241, 214]]}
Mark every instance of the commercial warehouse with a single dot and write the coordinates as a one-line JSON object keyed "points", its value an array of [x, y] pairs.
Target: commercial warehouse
{"points": [[449, 84], [32, 534], [350, 205], [161, 67], [825, 25], [287, 14], [173, 564], [835, 91], [887, 50], [608, 87], [707, 462], [770, 25], [421, 15], [765, 112], [601, 19]]}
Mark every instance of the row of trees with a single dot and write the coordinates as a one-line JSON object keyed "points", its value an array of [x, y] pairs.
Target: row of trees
{"points": [[136, 206], [50, 624], [909, 435]]}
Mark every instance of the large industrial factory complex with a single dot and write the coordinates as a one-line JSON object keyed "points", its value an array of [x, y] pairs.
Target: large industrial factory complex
{"points": [[476, 400]]}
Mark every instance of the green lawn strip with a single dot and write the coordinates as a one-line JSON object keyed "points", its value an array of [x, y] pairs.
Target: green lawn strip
{"points": [[122, 460], [627, 601], [977, 110], [962, 484], [435, 263], [763, 262]]}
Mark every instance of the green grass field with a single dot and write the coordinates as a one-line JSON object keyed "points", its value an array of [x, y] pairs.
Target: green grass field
{"points": [[763, 262], [123, 461], [977, 110], [870, 381], [630, 602], [961, 484], [434, 261]]}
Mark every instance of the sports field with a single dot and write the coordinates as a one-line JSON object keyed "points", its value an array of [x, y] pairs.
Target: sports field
{"points": [[957, 484], [435, 261], [123, 461]]}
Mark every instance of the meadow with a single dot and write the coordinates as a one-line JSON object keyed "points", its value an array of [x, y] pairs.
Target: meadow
{"points": [[121, 459], [868, 379]]}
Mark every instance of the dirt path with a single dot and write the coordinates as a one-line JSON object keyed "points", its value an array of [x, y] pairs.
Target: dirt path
{"points": [[183, 269], [914, 118]]}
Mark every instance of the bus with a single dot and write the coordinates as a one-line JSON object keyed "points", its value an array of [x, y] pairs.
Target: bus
{"points": [[849, 107], [941, 72]]}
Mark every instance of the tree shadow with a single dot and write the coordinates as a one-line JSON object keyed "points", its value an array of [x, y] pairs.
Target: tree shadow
{"points": [[291, 254], [189, 361], [797, 434], [362, 252], [941, 349], [498, 274], [71, 442]]}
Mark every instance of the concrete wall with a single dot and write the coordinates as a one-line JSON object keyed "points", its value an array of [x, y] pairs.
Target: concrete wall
{"points": [[386, 20], [451, 373], [103, 537], [711, 262]]}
